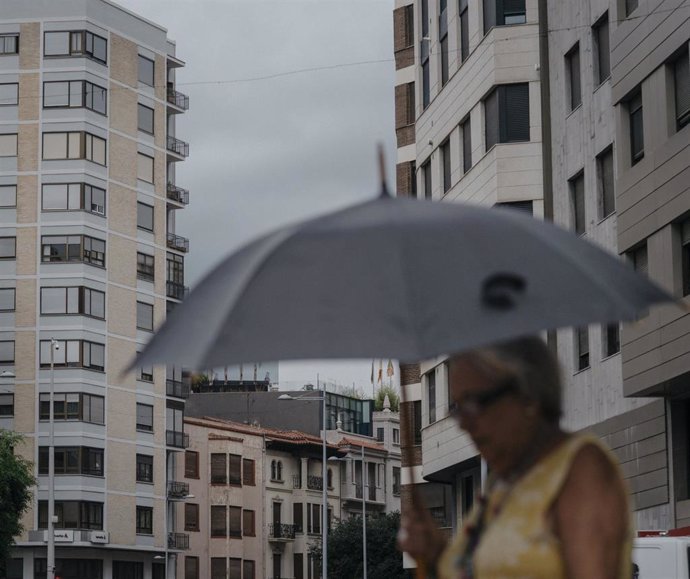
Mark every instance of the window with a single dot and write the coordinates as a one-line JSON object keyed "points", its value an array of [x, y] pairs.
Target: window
{"points": [[506, 112], [235, 516], [526, 206], [424, 50], [73, 406], [602, 53], [74, 354], [445, 165], [329, 477], [630, 6], [313, 518], [235, 469], [219, 569], [235, 568], [72, 300], [605, 183], [73, 197], [638, 258], [72, 515], [8, 247], [76, 43], [9, 43], [74, 145], [426, 180], [146, 70], [572, 74], [464, 31], [582, 348], [685, 257], [72, 460], [298, 517], [466, 145], [9, 94], [396, 481], [6, 405], [503, 12], [681, 78], [298, 565], [75, 94], [145, 119], [396, 436], [145, 373], [7, 352], [8, 145], [417, 422], [144, 468], [70, 569], [14, 568], [8, 196], [144, 316], [380, 434], [636, 128], [249, 569], [191, 567], [145, 266], [144, 417], [577, 203], [144, 216], [219, 473], [611, 339], [248, 472], [443, 35], [144, 168], [191, 464], [62, 248], [219, 526], [191, 517], [144, 520], [431, 389]]}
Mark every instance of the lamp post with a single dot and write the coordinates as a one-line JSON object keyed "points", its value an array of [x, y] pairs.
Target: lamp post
{"points": [[54, 345], [324, 474], [364, 519]]}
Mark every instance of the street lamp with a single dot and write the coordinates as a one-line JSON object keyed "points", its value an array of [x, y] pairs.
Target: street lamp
{"points": [[54, 345], [324, 474]]}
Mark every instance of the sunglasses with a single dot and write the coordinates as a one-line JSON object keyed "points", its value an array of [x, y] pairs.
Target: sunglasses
{"points": [[474, 404]]}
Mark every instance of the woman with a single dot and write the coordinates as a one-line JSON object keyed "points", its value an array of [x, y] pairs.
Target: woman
{"points": [[555, 505]]}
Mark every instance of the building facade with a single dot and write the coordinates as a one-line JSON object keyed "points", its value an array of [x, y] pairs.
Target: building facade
{"points": [[91, 265]]}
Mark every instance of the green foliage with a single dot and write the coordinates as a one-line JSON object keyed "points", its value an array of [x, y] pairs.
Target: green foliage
{"points": [[352, 392], [393, 396], [16, 480], [384, 560]]}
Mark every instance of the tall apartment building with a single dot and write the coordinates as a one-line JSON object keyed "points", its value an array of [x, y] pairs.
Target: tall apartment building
{"points": [[579, 114], [91, 263]]}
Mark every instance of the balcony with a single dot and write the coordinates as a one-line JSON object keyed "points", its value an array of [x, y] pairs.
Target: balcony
{"points": [[315, 483], [177, 146], [176, 290], [178, 194], [177, 388], [281, 532], [180, 100], [178, 490], [178, 541], [176, 439], [296, 481], [177, 242]]}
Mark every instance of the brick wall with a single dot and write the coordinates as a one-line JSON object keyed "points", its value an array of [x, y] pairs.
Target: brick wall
{"points": [[405, 182]]}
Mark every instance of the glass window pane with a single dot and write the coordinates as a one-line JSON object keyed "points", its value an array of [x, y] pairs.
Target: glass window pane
{"points": [[72, 351], [54, 145], [7, 247], [100, 48], [9, 94], [98, 150], [74, 196], [8, 145], [145, 168], [94, 200], [72, 299], [145, 119], [54, 197], [55, 94], [74, 146], [7, 352], [7, 299], [145, 216], [76, 93], [53, 300], [55, 43], [146, 74], [8, 195]]}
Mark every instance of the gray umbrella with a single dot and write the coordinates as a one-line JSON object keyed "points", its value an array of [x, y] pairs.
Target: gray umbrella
{"points": [[396, 278]]}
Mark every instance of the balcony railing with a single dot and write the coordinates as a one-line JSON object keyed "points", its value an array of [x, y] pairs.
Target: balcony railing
{"points": [[176, 290], [177, 388], [178, 541], [178, 194], [315, 483], [296, 481], [178, 146], [178, 490], [281, 531], [180, 100], [176, 439], [177, 242]]}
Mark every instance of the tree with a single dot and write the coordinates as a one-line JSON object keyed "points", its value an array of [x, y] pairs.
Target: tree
{"points": [[393, 396], [384, 560], [16, 480]]}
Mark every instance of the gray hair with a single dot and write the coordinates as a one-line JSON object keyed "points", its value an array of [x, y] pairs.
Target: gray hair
{"points": [[528, 362]]}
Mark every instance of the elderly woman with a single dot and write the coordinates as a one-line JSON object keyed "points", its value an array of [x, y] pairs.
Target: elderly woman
{"points": [[555, 504]]}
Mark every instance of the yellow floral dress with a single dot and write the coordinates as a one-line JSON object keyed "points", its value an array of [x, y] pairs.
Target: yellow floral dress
{"points": [[516, 541]]}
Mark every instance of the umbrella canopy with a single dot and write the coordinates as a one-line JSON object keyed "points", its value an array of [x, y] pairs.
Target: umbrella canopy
{"points": [[396, 278]]}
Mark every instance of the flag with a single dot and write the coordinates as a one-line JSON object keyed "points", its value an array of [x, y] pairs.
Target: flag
{"points": [[389, 370], [372, 370], [380, 371]]}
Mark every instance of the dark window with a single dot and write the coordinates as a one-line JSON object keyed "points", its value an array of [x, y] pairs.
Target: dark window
{"points": [[298, 517], [602, 53], [145, 266], [431, 389], [582, 348], [128, 570], [73, 406], [612, 341], [235, 469], [219, 568], [7, 352], [8, 196], [638, 258], [298, 565], [235, 568], [72, 515], [66, 569], [685, 257], [6, 405], [572, 68], [417, 422], [144, 417], [426, 180], [396, 436], [219, 469], [145, 316], [681, 76], [503, 12], [409, 26], [630, 6], [636, 128], [248, 472], [63, 248], [191, 517], [380, 434], [276, 470], [248, 523], [72, 460], [464, 31], [605, 183], [146, 70], [466, 128], [424, 52], [8, 247], [14, 569], [144, 520], [145, 119], [507, 114], [219, 524], [445, 165], [248, 569], [72, 301], [158, 571], [9, 43], [74, 354], [73, 197], [526, 206], [191, 464], [396, 481], [191, 567], [75, 94], [577, 203], [144, 216], [443, 35], [144, 468]]}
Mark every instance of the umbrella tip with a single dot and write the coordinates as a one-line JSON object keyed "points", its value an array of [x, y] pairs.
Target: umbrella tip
{"points": [[382, 170]]}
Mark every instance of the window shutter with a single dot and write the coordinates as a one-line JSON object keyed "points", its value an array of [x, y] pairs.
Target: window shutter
{"points": [[491, 119], [466, 146], [514, 112]]}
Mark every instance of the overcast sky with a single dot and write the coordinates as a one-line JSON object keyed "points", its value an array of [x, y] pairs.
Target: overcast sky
{"points": [[288, 100]]}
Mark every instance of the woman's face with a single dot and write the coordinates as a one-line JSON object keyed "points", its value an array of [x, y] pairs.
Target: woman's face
{"points": [[501, 423]]}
